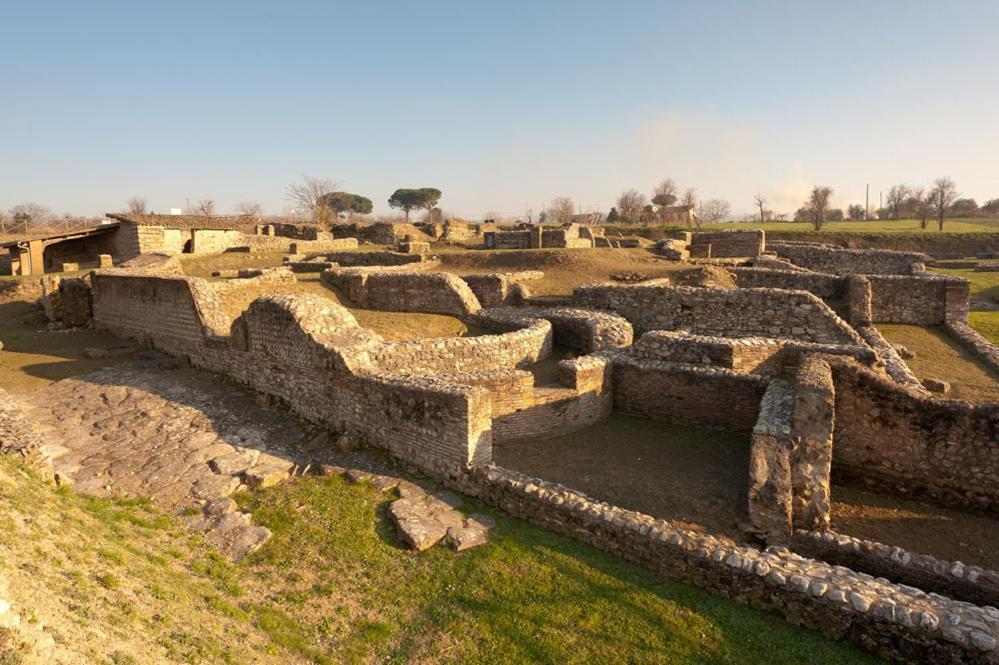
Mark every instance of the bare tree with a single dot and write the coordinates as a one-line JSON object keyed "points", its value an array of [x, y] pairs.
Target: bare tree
{"points": [[713, 211], [630, 204], [205, 207], [665, 193], [27, 216], [137, 205], [689, 201], [310, 196], [943, 193], [897, 196], [921, 202], [818, 205], [761, 203], [561, 209], [249, 209]]}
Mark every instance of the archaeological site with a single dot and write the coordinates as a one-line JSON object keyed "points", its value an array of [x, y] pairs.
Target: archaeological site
{"points": [[723, 409]]}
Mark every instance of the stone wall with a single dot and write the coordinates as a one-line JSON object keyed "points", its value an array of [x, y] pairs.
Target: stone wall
{"points": [[925, 299], [892, 436], [521, 344], [812, 421], [587, 399], [825, 286], [584, 331], [840, 261], [20, 440], [736, 313], [391, 290], [770, 464], [975, 342], [175, 314], [349, 259], [962, 582], [893, 621], [687, 394], [726, 244], [756, 355], [498, 289]]}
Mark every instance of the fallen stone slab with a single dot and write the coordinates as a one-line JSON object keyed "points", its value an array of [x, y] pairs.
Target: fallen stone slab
{"points": [[266, 475], [235, 462]]}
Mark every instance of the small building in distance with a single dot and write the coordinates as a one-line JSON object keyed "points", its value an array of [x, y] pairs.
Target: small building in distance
{"points": [[122, 237]]}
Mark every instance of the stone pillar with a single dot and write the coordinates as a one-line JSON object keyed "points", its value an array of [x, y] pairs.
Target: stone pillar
{"points": [[537, 236], [858, 300], [956, 301], [812, 424], [36, 251], [104, 261], [770, 466]]}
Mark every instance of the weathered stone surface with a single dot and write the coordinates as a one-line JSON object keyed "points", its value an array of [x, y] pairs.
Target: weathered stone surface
{"points": [[936, 385], [266, 475], [235, 462]]}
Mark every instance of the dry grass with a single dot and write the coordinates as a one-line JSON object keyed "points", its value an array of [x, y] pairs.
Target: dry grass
{"points": [[939, 356], [564, 269]]}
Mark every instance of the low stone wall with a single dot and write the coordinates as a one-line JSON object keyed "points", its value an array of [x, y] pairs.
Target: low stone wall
{"points": [[825, 286], [892, 436], [896, 367], [524, 343], [970, 584], [349, 259], [893, 621], [687, 394], [756, 355], [511, 389], [498, 289], [840, 261], [19, 439], [174, 314], [559, 411], [373, 288], [975, 342], [585, 331], [726, 244], [925, 299], [736, 313], [812, 420]]}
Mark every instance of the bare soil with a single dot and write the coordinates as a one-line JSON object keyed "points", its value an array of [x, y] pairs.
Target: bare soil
{"points": [[916, 526], [696, 477]]}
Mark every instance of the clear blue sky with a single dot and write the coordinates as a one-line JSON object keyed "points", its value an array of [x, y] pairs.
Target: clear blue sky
{"points": [[501, 105]]}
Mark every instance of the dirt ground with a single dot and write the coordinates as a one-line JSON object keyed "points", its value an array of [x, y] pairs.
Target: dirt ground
{"points": [[694, 476], [941, 357], [916, 526]]}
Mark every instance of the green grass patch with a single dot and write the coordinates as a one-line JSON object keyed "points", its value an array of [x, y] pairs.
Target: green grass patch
{"points": [[529, 596]]}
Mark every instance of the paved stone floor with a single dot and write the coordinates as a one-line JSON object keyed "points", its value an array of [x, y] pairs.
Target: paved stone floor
{"points": [[188, 440], [176, 436]]}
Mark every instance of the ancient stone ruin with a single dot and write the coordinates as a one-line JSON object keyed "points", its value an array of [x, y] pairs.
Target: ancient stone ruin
{"points": [[791, 358]]}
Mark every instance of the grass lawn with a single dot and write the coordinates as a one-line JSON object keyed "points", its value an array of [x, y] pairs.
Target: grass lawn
{"points": [[332, 585], [976, 225]]}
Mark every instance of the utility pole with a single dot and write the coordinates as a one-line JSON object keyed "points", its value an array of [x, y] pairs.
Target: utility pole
{"points": [[867, 204]]}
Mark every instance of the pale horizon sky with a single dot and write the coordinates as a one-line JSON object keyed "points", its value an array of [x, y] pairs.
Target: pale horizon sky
{"points": [[502, 106]]}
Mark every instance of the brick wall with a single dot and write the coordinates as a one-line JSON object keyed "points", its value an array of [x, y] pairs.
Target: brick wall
{"points": [[399, 291], [687, 394]]}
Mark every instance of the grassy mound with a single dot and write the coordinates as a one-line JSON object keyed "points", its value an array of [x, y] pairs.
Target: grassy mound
{"points": [[114, 582]]}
